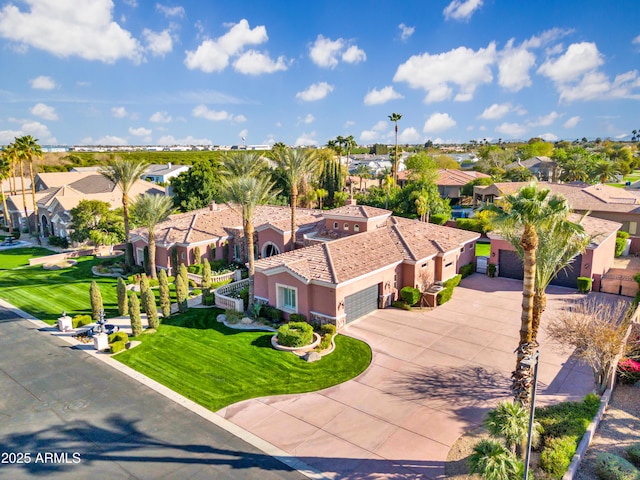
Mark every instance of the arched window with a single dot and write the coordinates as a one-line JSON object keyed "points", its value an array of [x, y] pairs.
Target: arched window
{"points": [[345, 226], [335, 225], [270, 249], [356, 228]]}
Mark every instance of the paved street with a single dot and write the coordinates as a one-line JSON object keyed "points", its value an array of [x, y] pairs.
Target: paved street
{"points": [[58, 400]]}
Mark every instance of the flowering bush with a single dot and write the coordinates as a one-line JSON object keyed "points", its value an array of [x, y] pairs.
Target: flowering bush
{"points": [[628, 370]]}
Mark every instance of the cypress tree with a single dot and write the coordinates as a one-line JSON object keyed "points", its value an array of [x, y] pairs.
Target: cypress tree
{"points": [[182, 272], [134, 314], [174, 260], [197, 255], [206, 280], [123, 301], [146, 260], [165, 294], [96, 301], [181, 294], [144, 287], [149, 303]]}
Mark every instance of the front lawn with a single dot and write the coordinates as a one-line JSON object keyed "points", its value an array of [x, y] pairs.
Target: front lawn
{"points": [[19, 257], [46, 293], [216, 366], [483, 249]]}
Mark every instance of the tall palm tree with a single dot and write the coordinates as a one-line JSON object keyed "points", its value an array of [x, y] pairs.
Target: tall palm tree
{"points": [[238, 164], [13, 153], [5, 169], [604, 170], [296, 165], [321, 194], [243, 194], [124, 174], [362, 171], [29, 149], [527, 212], [422, 205], [395, 117], [148, 211], [349, 143]]}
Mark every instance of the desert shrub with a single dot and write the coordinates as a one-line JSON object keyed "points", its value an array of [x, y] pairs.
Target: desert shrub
{"points": [[209, 299], [439, 218], [401, 304], [81, 321], [453, 281], [622, 234], [491, 270], [410, 295], [584, 284], [633, 453], [118, 346], [613, 467], [119, 337], [233, 316], [467, 270], [568, 418], [628, 371], [557, 454], [297, 317], [328, 329], [492, 460], [272, 313], [444, 295], [295, 334]]}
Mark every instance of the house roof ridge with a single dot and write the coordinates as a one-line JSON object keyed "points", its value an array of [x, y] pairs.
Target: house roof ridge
{"points": [[332, 268], [191, 226], [397, 231]]}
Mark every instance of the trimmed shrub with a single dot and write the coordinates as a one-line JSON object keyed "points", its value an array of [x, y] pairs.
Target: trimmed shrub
{"points": [[467, 270], [568, 418], [491, 270], [195, 292], [297, 317], [118, 347], [470, 224], [273, 313], [96, 301], [134, 314], [149, 302], [557, 454], [206, 278], [400, 304], [410, 295], [174, 260], [181, 294], [295, 334], [622, 234], [144, 288], [444, 295], [244, 295], [439, 218], [123, 303], [182, 272], [119, 337], [633, 453], [584, 284], [165, 294], [613, 467], [215, 285], [328, 329], [197, 255], [621, 243], [195, 268], [56, 241], [453, 281], [81, 321]]}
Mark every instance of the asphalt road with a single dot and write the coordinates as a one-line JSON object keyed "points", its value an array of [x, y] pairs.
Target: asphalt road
{"points": [[65, 415]]}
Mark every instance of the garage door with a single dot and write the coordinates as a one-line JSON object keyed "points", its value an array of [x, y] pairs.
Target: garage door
{"points": [[361, 303], [511, 267]]}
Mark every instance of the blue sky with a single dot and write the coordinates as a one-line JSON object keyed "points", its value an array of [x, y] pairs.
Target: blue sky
{"points": [[136, 72]]}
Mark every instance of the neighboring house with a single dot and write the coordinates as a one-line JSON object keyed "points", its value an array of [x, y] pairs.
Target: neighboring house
{"points": [[449, 181], [57, 193], [354, 258], [594, 263], [543, 168], [163, 173]]}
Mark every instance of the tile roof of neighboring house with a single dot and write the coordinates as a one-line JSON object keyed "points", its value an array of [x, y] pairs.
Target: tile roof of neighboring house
{"points": [[531, 162], [6, 184], [356, 211], [351, 257], [58, 179], [205, 224], [164, 168], [448, 177]]}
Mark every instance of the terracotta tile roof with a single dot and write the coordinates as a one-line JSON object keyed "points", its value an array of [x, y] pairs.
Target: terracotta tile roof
{"points": [[598, 229], [448, 177], [531, 162], [356, 211]]}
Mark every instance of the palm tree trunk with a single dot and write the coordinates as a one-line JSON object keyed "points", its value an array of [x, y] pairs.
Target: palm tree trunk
{"points": [[12, 178], [294, 201], [539, 306], [248, 234], [125, 213], [152, 254], [395, 159], [7, 217], [24, 197], [33, 193]]}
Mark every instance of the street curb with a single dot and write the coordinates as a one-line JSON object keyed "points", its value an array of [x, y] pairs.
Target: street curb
{"points": [[257, 442]]}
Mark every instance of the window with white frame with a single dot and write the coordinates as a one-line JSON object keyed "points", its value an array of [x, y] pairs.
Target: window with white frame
{"points": [[335, 225], [345, 226], [633, 228], [287, 298], [236, 252], [356, 228]]}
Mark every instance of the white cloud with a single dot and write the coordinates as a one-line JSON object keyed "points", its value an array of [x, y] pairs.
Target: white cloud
{"points": [[306, 139], [9, 136], [140, 131], [462, 66], [257, 63], [29, 127], [511, 129], [461, 9], [375, 133], [636, 41], [119, 112], [572, 122], [353, 54], [44, 111], [409, 135], [513, 67], [546, 120], [307, 119], [316, 91], [380, 126], [438, 122], [596, 85], [202, 111], [495, 111], [579, 59], [549, 137], [384, 95], [213, 55], [131, 3], [243, 134], [65, 28], [189, 140], [158, 43], [325, 52], [349, 124], [43, 83], [405, 31], [177, 11], [160, 117], [106, 140]]}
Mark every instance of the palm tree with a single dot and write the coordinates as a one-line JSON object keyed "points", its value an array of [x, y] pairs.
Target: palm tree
{"points": [[296, 165], [527, 212], [28, 148], [13, 153], [5, 168], [238, 164], [321, 194], [604, 170], [124, 174], [362, 171], [243, 194], [492, 461], [147, 211], [395, 117], [510, 420], [349, 143], [422, 205]]}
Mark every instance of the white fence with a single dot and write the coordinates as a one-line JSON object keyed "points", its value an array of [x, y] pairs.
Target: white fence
{"points": [[236, 276], [227, 302]]}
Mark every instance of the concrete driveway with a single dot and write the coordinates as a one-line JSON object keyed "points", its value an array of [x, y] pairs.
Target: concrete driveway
{"points": [[434, 374]]}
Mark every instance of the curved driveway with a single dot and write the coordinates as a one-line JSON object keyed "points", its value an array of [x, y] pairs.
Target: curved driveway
{"points": [[434, 374]]}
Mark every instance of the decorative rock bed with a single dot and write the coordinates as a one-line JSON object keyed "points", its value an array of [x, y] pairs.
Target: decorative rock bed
{"points": [[59, 265]]}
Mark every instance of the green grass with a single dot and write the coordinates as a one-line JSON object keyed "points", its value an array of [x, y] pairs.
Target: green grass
{"points": [[483, 249], [46, 293], [216, 366], [19, 257]]}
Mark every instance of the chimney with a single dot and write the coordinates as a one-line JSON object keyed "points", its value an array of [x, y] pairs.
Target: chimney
{"points": [[169, 165], [213, 207]]}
